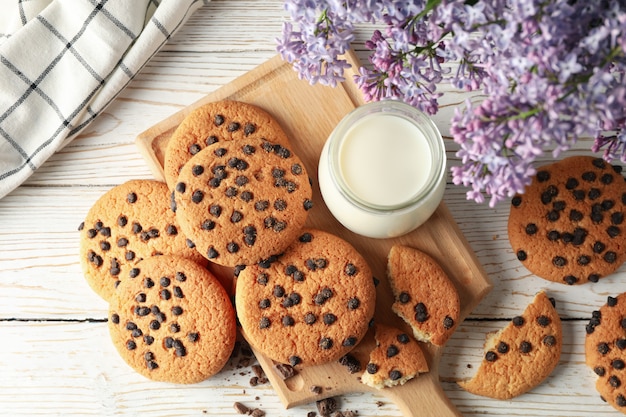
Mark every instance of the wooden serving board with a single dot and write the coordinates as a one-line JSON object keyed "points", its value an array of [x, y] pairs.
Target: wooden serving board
{"points": [[308, 114]]}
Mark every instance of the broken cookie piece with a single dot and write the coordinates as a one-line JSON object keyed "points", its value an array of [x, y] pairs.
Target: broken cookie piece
{"points": [[396, 359]]}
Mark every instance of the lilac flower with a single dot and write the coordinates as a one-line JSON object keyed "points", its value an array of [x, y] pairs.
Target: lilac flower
{"points": [[552, 71]]}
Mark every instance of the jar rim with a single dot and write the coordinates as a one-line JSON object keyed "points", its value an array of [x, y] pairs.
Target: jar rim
{"points": [[409, 113]]}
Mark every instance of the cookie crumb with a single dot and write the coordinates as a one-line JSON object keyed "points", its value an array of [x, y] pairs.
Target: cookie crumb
{"points": [[316, 389], [350, 362], [284, 371], [257, 413], [326, 406], [311, 414], [240, 408], [258, 371], [379, 403]]}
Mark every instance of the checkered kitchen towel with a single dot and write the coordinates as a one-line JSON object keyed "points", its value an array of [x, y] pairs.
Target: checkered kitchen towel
{"points": [[63, 61]]}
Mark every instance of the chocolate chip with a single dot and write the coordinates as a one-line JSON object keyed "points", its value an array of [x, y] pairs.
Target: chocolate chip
{"points": [[617, 218], [197, 196], [261, 205], [575, 215], [288, 321], [131, 345], [262, 279], [594, 193], [115, 318], [516, 201], [421, 313], [553, 235], [212, 253], [571, 183], [306, 238], [606, 179], [583, 260], [280, 205], [599, 370], [371, 368], [553, 216], [503, 347], [543, 176], [611, 301], [394, 375], [353, 303], [264, 323], [599, 247], [246, 196], [148, 340], [589, 176], [194, 149], [570, 279], [521, 255], [233, 127], [518, 321], [208, 225], [617, 364], [349, 341], [613, 231], [236, 217], [350, 270], [404, 297], [607, 205], [525, 347], [603, 348], [448, 322], [610, 257], [131, 198], [614, 381], [350, 362], [621, 344], [310, 318], [215, 210], [531, 229], [392, 351], [165, 294], [326, 343], [559, 261], [329, 318], [491, 356], [155, 325], [177, 310], [197, 170], [620, 400], [543, 321]]}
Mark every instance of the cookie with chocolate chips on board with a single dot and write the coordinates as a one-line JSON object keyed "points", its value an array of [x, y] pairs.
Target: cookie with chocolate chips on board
{"points": [[243, 201], [172, 321], [128, 223], [396, 359], [217, 122], [310, 305], [605, 350], [521, 355], [567, 227], [424, 296]]}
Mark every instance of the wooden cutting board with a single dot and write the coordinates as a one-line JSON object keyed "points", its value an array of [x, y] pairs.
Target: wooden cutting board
{"points": [[308, 114]]}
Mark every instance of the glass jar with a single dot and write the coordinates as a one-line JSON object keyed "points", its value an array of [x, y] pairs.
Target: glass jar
{"points": [[382, 169]]}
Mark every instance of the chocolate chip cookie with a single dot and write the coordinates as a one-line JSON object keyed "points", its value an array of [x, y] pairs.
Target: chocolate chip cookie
{"points": [[128, 223], [309, 306], [217, 122], [242, 201], [567, 227], [172, 321]]}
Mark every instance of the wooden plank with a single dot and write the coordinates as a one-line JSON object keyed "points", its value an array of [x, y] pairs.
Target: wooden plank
{"points": [[73, 369]]}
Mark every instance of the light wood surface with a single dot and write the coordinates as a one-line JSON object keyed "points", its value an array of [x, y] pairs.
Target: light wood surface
{"points": [[56, 357]]}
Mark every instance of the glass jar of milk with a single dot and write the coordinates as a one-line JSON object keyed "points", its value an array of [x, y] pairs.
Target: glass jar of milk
{"points": [[382, 169]]}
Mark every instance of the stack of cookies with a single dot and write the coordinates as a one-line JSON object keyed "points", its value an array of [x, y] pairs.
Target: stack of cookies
{"points": [[236, 196]]}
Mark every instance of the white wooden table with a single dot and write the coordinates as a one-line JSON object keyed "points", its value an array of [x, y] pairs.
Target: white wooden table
{"points": [[55, 354]]}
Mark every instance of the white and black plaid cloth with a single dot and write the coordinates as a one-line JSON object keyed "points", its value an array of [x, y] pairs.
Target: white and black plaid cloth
{"points": [[63, 61]]}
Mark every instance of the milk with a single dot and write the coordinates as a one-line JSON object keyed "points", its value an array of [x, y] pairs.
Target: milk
{"points": [[385, 160], [382, 170]]}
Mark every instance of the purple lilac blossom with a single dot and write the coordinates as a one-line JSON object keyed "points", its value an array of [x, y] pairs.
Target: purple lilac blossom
{"points": [[551, 71]]}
